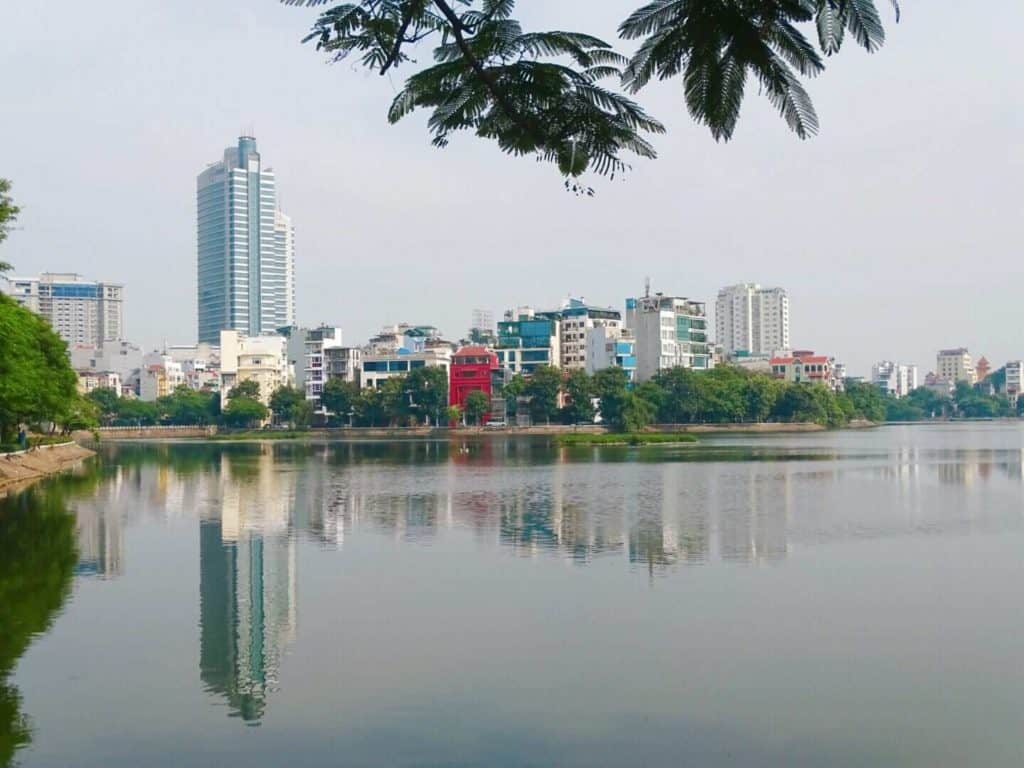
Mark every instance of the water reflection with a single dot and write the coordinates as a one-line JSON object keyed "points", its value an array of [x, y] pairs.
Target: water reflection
{"points": [[37, 560], [654, 510], [247, 582]]}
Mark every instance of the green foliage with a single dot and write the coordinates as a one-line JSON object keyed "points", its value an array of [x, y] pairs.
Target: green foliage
{"points": [[477, 404], [580, 389], [512, 390], [610, 386], [186, 406], [625, 438], [134, 412], [454, 414], [867, 400], [972, 404], [289, 406], [539, 93], [637, 413], [37, 383], [542, 388], [243, 412], [250, 389], [8, 214], [339, 398], [428, 391], [106, 400]]}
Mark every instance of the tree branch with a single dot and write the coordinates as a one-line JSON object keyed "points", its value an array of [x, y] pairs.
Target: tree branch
{"points": [[399, 39], [489, 82]]}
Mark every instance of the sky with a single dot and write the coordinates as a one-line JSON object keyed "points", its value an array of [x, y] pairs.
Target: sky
{"points": [[896, 230]]}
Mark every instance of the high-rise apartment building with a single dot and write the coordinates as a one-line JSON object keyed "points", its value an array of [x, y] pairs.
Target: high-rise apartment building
{"points": [[670, 332], [246, 264], [80, 311], [575, 318], [894, 378], [752, 319], [955, 365]]}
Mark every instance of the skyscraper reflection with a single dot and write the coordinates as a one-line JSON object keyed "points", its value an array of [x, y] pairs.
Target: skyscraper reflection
{"points": [[247, 583]]}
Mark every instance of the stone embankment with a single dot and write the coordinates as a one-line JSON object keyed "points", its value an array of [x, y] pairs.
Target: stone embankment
{"points": [[149, 433], [20, 468]]}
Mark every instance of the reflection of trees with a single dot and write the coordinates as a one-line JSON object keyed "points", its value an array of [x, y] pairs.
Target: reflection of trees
{"points": [[37, 560]]}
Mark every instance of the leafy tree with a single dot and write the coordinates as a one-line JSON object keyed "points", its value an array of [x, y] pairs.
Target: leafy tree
{"points": [[36, 380], [637, 413], [78, 413], [244, 412], [867, 400], [249, 388], [339, 398], [289, 405], [542, 388], [186, 406], [135, 412], [540, 93], [610, 386], [515, 387], [903, 409], [580, 389], [106, 399], [477, 405], [428, 390], [369, 406], [454, 414], [8, 214], [394, 394]]}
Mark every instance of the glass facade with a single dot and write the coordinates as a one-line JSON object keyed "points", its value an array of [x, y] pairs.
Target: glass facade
{"points": [[245, 261]]}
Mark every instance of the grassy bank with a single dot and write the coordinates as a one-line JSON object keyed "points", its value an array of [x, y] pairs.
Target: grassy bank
{"points": [[634, 438], [264, 434]]}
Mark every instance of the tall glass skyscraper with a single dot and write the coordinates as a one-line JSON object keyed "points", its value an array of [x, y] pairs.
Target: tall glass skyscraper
{"points": [[246, 264]]}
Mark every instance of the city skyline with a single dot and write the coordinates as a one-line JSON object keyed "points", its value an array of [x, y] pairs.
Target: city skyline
{"points": [[373, 205]]}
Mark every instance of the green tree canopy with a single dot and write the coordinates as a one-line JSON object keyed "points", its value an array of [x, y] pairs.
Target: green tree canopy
{"points": [[477, 404], [559, 95], [543, 388], [290, 406], [249, 388], [8, 215], [339, 398], [428, 390], [580, 389], [37, 383], [244, 412]]}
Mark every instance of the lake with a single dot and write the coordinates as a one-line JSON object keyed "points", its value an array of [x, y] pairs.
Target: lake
{"points": [[847, 598]]}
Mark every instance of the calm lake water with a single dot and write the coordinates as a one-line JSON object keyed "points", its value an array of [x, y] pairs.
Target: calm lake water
{"points": [[835, 599]]}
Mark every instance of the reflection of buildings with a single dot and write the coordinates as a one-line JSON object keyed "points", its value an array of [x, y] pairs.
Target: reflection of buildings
{"points": [[99, 532], [100, 535], [247, 584]]}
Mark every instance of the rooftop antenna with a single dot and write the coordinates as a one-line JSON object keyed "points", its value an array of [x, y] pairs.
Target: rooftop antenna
{"points": [[647, 287]]}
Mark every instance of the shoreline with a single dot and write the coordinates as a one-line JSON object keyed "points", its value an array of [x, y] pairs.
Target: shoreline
{"points": [[20, 469], [379, 434]]}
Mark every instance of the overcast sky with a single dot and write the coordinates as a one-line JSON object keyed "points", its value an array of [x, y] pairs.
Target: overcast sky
{"points": [[896, 230]]}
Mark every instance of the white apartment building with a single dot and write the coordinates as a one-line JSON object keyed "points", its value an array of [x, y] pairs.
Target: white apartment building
{"points": [[316, 345], [752, 319], [80, 311], [611, 347], [670, 332], [1014, 380], [894, 378], [120, 357], [378, 367], [159, 376], [576, 319], [955, 365], [91, 380], [262, 359]]}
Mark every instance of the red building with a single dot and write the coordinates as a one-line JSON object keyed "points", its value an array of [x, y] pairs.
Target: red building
{"points": [[471, 371]]}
